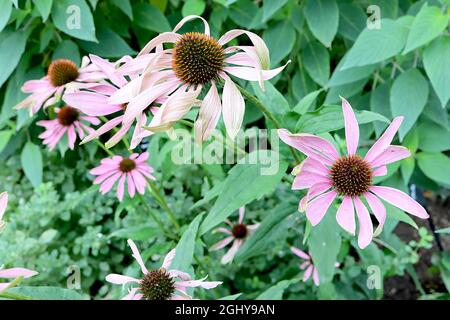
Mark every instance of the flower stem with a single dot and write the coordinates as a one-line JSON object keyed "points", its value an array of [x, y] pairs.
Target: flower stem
{"points": [[155, 218], [101, 145], [267, 113], [163, 203]]}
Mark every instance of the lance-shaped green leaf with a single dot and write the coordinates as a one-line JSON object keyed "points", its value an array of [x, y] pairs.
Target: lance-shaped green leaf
{"points": [[31, 159], [322, 17]]}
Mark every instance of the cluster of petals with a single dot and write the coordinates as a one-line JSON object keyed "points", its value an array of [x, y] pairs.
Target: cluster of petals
{"points": [[230, 237], [109, 172], [158, 80], [13, 273], [307, 265], [314, 174], [181, 279]]}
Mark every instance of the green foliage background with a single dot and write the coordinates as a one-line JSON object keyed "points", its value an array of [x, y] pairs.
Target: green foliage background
{"points": [[57, 220]]}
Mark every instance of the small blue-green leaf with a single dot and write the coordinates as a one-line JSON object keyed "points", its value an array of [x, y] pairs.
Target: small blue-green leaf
{"points": [[31, 160]]}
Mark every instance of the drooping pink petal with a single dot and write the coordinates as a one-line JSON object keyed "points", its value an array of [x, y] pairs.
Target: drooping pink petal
{"points": [[401, 200], [390, 155], [385, 140], [131, 186], [251, 74], [223, 230], [229, 256], [17, 272], [209, 114], [109, 183], [198, 283], [314, 166], [179, 274], [307, 179], [316, 209], [120, 187], [189, 18], [3, 203], [345, 215], [380, 171], [314, 191], [165, 37], [137, 256], [120, 279], [316, 277], [304, 265], [91, 103], [351, 127], [168, 259], [131, 294], [308, 273], [365, 232], [103, 129], [378, 209], [301, 254], [233, 108], [222, 243], [241, 214]]}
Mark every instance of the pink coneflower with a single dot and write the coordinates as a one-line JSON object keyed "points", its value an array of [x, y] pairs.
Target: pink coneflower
{"points": [[62, 74], [3, 205], [308, 266], [349, 176], [159, 284], [93, 101], [14, 273], [236, 234], [68, 120], [134, 170], [197, 60]]}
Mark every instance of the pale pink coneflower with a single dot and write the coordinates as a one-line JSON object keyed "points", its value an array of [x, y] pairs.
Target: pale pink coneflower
{"points": [[14, 273], [134, 170], [349, 176], [68, 121], [62, 74], [3, 205], [93, 101], [236, 234], [159, 284], [307, 265], [196, 61]]}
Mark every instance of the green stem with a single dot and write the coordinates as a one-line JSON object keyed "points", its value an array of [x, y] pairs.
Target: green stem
{"points": [[267, 113], [163, 203], [101, 145], [155, 218]]}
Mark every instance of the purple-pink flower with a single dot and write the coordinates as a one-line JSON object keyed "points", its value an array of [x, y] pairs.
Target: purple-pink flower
{"points": [[307, 265], [133, 170], [195, 61], [62, 74], [326, 174], [159, 284], [3, 205], [14, 273], [68, 120], [236, 234], [93, 101]]}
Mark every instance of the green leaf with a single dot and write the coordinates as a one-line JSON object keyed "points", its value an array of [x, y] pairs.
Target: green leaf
{"points": [[47, 293], [322, 17], [271, 98], [185, 247], [330, 118], [275, 292], [433, 138], [305, 103], [435, 166], [31, 160], [280, 40], [375, 45], [144, 232], [5, 135], [343, 76], [12, 46], [270, 7], [379, 103], [352, 20], [74, 18], [67, 49], [397, 214], [317, 62], [5, 13], [436, 60], [409, 94], [124, 6], [193, 7], [109, 45], [267, 232], [231, 297], [427, 25], [444, 231], [44, 8], [324, 244], [246, 182], [148, 17]]}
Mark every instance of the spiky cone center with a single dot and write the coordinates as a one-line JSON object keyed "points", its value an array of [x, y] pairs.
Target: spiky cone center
{"points": [[62, 71], [351, 176], [157, 285], [67, 116], [127, 165], [197, 58], [239, 231]]}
